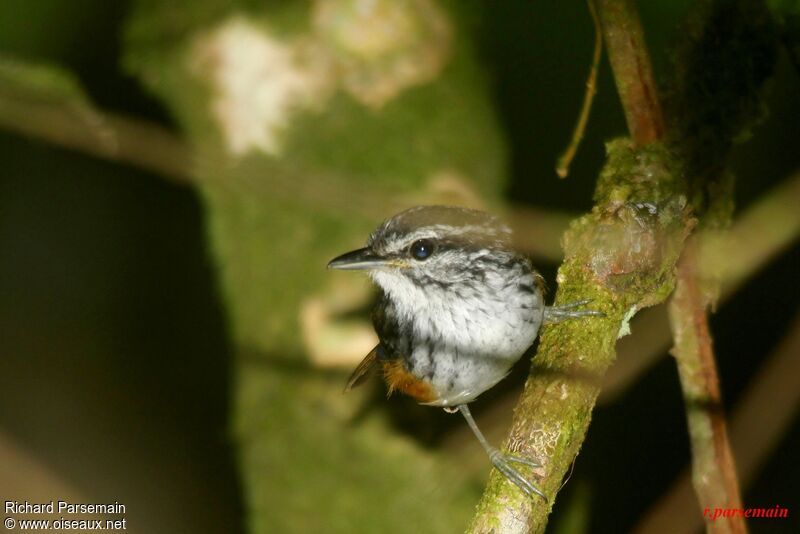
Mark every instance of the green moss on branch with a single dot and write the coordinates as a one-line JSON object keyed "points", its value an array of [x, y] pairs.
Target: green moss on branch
{"points": [[622, 256]]}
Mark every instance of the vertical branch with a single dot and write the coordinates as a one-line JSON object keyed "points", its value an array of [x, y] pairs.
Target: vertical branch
{"points": [[616, 256], [727, 40], [714, 473], [633, 73], [756, 429]]}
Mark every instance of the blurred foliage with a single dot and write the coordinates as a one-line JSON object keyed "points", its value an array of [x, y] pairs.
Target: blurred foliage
{"points": [[716, 97], [272, 231], [43, 81], [787, 15], [342, 148]]}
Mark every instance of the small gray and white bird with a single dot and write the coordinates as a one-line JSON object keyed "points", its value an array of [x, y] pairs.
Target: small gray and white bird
{"points": [[458, 307]]}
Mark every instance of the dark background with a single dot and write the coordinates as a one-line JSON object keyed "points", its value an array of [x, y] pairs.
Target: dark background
{"points": [[114, 365]]}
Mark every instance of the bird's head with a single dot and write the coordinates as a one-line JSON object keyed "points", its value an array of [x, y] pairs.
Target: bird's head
{"points": [[434, 246]]}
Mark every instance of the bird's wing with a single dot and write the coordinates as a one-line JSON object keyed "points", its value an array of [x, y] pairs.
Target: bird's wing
{"points": [[538, 279], [360, 373]]}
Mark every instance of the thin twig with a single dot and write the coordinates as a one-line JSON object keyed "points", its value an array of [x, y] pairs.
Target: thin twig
{"points": [[564, 161], [756, 428], [627, 53], [714, 473], [105, 135]]}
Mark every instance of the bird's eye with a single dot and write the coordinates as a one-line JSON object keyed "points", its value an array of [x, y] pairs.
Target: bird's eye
{"points": [[422, 249]]}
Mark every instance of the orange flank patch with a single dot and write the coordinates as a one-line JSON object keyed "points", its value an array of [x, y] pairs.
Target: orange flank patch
{"points": [[399, 379]]}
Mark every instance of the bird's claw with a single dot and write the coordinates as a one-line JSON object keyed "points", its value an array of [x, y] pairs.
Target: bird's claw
{"points": [[503, 464], [556, 314]]}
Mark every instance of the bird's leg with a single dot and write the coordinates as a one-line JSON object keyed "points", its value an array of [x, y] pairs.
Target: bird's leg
{"points": [[562, 312], [503, 461]]}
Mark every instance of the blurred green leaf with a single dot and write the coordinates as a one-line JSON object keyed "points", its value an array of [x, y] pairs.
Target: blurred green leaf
{"points": [[303, 147]]}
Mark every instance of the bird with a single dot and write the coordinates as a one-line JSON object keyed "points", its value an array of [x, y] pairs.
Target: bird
{"points": [[458, 306]]}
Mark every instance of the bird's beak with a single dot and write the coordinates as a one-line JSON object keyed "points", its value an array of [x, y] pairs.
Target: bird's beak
{"points": [[361, 259]]}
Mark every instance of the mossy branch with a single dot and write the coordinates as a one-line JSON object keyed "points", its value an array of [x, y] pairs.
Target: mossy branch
{"points": [[624, 253], [621, 255]]}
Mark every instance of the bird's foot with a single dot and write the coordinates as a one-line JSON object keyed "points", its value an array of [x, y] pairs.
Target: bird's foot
{"points": [[503, 464], [562, 312]]}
